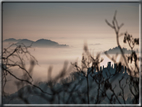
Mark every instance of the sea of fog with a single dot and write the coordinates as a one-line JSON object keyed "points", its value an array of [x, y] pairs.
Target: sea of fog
{"points": [[56, 58]]}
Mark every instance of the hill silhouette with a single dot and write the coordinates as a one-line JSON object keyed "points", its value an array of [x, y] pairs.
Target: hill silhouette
{"points": [[38, 43], [116, 50]]}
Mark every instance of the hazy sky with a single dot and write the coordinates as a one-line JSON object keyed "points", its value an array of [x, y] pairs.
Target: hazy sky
{"points": [[67, 20]]}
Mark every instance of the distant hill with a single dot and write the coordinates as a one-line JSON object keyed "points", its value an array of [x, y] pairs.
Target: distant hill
{"points": [[10, 40], [38, 43], [44, 43], [117, 50], [26, 42]]}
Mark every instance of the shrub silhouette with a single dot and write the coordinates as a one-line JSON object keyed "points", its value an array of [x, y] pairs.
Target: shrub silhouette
{"points": [[89, 84]]}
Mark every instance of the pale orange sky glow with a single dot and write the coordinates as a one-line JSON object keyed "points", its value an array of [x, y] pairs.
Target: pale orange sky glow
{"points": [[44, 20]]}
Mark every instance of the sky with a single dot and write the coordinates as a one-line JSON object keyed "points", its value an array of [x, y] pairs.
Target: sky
{"points": [[67, 23], [67, 20]]}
